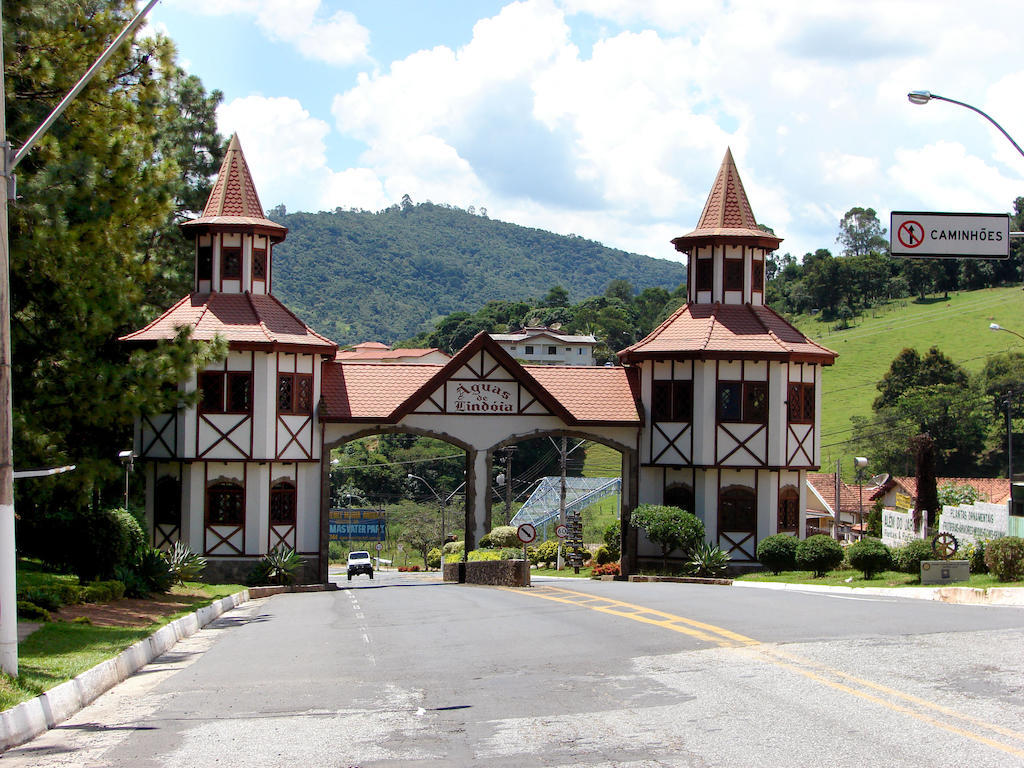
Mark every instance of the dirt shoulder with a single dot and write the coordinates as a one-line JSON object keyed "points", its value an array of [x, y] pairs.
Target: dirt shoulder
{"points": [[129, 612]]}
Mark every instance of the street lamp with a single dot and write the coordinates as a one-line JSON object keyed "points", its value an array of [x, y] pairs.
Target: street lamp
{"points": [[128, 457], [923, 97], [860, 462], [441, 505], [998, 327]]}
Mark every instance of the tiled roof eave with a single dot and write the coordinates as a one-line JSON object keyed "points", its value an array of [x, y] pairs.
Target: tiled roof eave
{"points": [[821, 358], [684, 243], [275, 231]]}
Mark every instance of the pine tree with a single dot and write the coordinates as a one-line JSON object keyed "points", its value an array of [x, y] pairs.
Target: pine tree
{"points": [[94, 247]]}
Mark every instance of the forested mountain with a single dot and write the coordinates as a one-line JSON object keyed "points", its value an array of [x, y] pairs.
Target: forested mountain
{"points": [[362, 276]]}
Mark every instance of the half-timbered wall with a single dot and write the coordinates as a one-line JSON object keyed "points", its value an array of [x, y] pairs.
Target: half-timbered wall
{"points": [[226, 431], [731, 274], [296, 391], [802, 415], [668, 395], [233, 262], [742, 414]]}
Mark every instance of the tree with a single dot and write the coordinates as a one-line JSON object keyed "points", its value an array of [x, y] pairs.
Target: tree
{"points": [[421, 528], [861, 233], [670, 528], [909, 370], [94, 250], [557, 296], [923, 448]]}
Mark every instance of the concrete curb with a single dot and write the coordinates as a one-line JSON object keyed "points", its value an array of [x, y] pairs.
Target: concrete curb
{"points": [[31, 718], [960, 595]]}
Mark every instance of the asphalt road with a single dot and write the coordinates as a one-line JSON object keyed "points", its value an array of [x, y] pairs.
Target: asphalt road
{"points": [[407, 671]]}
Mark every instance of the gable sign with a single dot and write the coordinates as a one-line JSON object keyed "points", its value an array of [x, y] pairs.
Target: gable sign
{"points": [[950, 235], [482, 397], [482, 386]]}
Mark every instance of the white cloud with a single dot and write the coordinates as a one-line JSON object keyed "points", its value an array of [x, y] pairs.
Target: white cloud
{"points": [[337, 38]]}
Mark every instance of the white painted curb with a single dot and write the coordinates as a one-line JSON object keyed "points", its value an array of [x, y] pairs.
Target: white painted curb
{"points": [[31, 718], [961, 595]]}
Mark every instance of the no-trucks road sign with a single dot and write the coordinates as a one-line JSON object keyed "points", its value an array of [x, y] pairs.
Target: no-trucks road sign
{"points": [[950, 235]]}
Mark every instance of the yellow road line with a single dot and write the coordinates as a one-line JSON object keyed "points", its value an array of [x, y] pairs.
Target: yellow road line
{"points": [[709, 633], [808, 668]]}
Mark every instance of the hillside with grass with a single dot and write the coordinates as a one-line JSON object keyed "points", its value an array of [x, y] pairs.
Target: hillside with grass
{"points": [[957, 325]]}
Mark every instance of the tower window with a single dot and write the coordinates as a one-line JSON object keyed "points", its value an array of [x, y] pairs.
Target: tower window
{"points": [[672, 401], [757, 276], [225, 392], [231, 263], [204, 262], [294, 393], [259, 264], [801, 403], [789, 510], [743, 401], [705, 274], [733, 275]]}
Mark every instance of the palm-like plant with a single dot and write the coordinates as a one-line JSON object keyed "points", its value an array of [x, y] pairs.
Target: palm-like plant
{"points": [[708, 561]]}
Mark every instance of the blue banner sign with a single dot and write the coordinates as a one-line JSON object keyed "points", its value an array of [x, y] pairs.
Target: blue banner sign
{"points": [[357, 525]]}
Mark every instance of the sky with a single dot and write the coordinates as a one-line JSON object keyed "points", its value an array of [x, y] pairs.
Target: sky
{"points": [[609, 119]]}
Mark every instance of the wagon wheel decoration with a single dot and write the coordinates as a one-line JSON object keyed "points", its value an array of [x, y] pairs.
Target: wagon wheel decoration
{"points": [[945, 545]]}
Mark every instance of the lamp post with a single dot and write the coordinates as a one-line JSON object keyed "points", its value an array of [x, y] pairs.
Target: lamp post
{"points": [[128, 457], [923, 97], [9, 160], [860, 462], [441, 506]]}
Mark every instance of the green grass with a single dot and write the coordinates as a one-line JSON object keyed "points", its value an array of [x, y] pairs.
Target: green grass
{"points": [[850, 578], [59, 651], [567, 571], [957, 326]]}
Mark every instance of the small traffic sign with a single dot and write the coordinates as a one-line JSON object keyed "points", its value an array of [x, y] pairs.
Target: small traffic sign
{"points": [[379, 546], [950, 235], [526, 533], [561, 531]]}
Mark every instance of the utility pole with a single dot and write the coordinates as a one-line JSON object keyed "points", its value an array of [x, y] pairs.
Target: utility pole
{"points": [[561, 502], [509, 450]]}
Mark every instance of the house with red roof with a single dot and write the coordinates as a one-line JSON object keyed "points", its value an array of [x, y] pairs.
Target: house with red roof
{"points": [[717, 410]]}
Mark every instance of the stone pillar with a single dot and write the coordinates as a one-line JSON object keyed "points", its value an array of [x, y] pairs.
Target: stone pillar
{"points": [[630, 499], [477, 496]]}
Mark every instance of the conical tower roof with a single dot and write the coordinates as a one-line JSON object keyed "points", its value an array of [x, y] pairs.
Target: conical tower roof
{"points": [[727, 216], [233, 201]]}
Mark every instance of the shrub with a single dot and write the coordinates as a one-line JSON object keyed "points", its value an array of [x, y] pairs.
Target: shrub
{"points": [[608, 569], [974, 553], [97, 593], [185, 565], [670, 528], [510, 553], [504, 536], [546, 552], [485, 542], [870, 556], [778, 553], [483, 555], [1005, 558], [709, 561], [154, 570], [44, 597], [32, 612], [336, 552], [116, 587], [603, 556], [97, 542], [134, 533], [908, 557], [613, 539], [819, 553], [134, 584], [278, 567], [454, 548], [434, 558]]}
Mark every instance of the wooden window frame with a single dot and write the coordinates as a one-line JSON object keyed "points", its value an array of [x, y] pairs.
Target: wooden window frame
{"points": [[800, 403], [226, 387], [528, 349], [230, 251], [283, 495], [204, 262], [757, 276], [732, 269], [749, 391], [259, 264], [296, 382], [727, 500], [226, 489], [705, 277], [672, 400], [788, 519]]}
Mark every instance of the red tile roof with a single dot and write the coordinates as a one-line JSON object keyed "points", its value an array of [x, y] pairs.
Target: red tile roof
{"points": [[592, 394], [725, 331], [247, 321], [849, 495], [995, 490], [233, 200], [368, 392], [727, 214], [369, 351], [386, 393]]}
